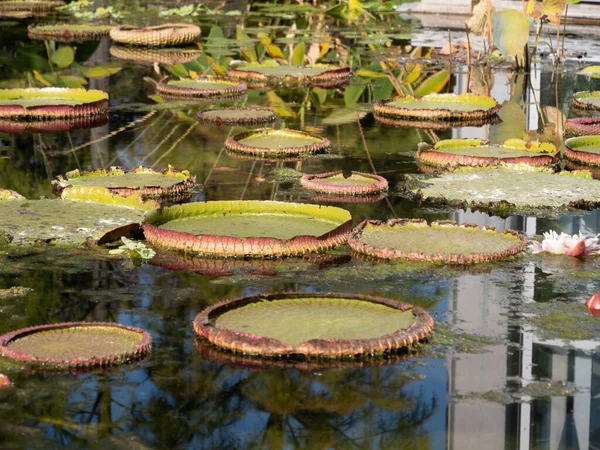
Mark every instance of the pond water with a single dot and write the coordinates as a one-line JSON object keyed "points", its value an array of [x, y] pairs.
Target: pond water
{"points": [[514, 361]]}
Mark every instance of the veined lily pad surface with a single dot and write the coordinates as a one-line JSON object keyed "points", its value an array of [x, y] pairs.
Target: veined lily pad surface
{"points": [[51, 103], [587, 100], [69, 32], [76, 345], [155, 54], [142, 180], [520, 189], [269, 142], [201, 87], [439, 107], [314, 325], [583, 149], [443, 241], [248, 228], [452, 153], [357, 183], [273, 72], [82, 216], [165, 35], [583, 126], [238, 115]]}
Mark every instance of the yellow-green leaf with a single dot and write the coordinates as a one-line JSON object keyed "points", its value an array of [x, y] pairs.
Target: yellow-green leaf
{"points": [[100, 71], [413, 72], [590, 71], [353, 92], [510, 31], [63, 57], [298, 55], [248, 51], [281, 108], [370, 74], [434, 84], [274, 51]]}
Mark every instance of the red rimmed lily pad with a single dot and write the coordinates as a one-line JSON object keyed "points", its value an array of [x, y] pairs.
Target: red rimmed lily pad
{"points": [[249, 115], [587, 100], [206, 86], [357, 183], [76, 345], [439, 107], [151, 55], [452, 153], [583, 126], [68, 32], [441, 242], [276, 143], [272, 72], [248, 228], [143, 181], [51, 103], [165, 35], [583, 149], [52, 125], [315, 325]]}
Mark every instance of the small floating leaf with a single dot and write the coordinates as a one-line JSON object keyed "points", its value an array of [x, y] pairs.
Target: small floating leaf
{"points": [[63, 57]]}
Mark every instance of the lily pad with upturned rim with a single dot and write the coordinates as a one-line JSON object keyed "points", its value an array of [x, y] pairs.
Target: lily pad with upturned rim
{"points": [[52, 125], [249, 115], [269, 142], [144, 181], [436, 125], [320, 325], [51, 103], [248, 228], [165, 35], [8, 8], [205, 86], [583, 149], [76, 345], [583, 126], [452, 153], [439, 107], [272, 72], [357, 183], [150, 55], [587, 100], [68, 32], [443, 241]]}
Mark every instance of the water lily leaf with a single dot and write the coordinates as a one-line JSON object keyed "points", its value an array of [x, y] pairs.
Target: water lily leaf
{"points": [[281, 108], [99, 71], [298, 55], [63, 57], [510, 32], [342, 116], [590, 71], [353, 92], [434, 84]]}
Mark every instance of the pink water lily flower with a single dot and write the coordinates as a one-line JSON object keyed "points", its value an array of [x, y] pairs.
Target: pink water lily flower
{"points": [[565, 244]]}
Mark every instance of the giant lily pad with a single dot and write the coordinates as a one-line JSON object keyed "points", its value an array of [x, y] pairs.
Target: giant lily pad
{"points": [[27, 8], [206, 86], [83, 216], [51, 103], [443, 241], [513, 189], [52, 125], [248, 228], [583, 149], [357, 183], [583, 126], [144, 181], [76, 345], [452, 153], [322, 325], [249, 115], [67, 32], [165, 35], [269, 142], [435, 125], [272, 72], [150, 55], [587, 100], [439, 107]]}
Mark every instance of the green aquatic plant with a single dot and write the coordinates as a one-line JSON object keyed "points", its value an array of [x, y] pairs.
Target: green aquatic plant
{"points": [[136, 253]]}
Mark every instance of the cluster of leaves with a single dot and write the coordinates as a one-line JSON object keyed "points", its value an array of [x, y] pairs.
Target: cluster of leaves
{"points": [[195, 10], [84, 10], [137, 253]]}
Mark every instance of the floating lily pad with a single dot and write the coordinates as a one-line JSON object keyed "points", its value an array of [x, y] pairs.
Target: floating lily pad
{"points": [[144, 181], [582, 126], [452, 153], [52, 125], [357, 183], [583, 149], [515, 189], [443, 241], [238, 115], [272, 72], [248, 228], [435, 125], [67, 32], [29, 7], [587, 100], [439, 107], [51, 103], [75, 345], [165, 35], [160, 55], [269, 142], [83, 216], [322, 325], [206, 86]]}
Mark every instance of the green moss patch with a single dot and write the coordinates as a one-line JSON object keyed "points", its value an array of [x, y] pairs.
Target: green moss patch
{"points": [[566, 321]]}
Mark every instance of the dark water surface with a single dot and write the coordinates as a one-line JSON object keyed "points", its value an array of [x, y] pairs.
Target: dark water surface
{"points": [[493, 377]]}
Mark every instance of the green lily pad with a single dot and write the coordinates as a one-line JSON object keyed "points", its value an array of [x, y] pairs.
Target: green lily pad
{"points": [[165, 35], [150, 55], [67, 32], [271, 142], [52, 103], [235, 115], [590, 71], [587, 100], [583, 149], [201, 87]]}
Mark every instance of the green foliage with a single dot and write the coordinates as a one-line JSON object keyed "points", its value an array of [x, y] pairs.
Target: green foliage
{"points": [[137, 253], [510, 32]]}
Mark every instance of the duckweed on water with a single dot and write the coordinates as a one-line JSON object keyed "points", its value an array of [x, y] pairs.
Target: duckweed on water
{"points": [[565, 321]]}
